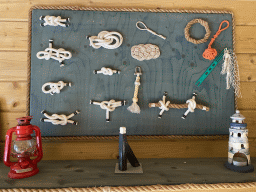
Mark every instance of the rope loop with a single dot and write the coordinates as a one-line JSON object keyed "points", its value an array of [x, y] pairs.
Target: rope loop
{"points": [[54, 87], [204, 24], [210, 53], [106, 39]]}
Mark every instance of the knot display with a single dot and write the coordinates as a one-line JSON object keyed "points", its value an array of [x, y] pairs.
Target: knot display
{"points": [[108, 40], [145, 52], [190, 104], [106, 71], [54, 87], [54, 21], [134, 108], [109, 106], [61, 119], [210, 53], [56, 54]]}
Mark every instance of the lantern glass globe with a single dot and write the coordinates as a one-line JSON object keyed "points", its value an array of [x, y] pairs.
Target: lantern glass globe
{"points": [[24, 146]]}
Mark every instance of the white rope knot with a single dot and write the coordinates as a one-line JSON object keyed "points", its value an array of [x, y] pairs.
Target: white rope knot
{"points": [[145, 52], [191, 106], [109, 106], [54, 87], [62, 119], [164, 106], [56, 54], [108, 40], [54, 21], [106, 71]]}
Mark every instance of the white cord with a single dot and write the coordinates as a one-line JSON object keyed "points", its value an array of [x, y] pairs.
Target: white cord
{"points": [[56, 54], [54, 87], [109, 106], [56, 119], [191, 106], [106, 39], [54, 21], [106, 71], [149, 30], [163, 107]]}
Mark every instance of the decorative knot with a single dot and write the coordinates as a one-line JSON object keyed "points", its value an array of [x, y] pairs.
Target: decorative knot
{"points": [[210, 53], [56, 54], [145, 52], [54, 87], [54, 21], [108, 40], [61, 119], [164, 106], [109, 105]]}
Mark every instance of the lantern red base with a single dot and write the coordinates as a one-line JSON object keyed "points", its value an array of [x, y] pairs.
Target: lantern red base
{"points": [[22, 173]]}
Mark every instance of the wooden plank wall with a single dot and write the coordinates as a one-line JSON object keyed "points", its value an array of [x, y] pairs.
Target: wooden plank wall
{"points": [[13, 61]]}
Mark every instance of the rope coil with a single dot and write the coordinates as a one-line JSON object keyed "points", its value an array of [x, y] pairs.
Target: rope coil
{"points": [[54, 87], [109, 106], [56, 54], [134, 108], [106, 71], [54, 21], [108, 40], [210, 53], [204, 24], [145, 52], [56, 119]]}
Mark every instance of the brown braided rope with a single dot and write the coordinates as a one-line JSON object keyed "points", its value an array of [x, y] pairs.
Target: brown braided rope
{"points": [[155, 188], [178, 106], [73, 138], [204, 24]]}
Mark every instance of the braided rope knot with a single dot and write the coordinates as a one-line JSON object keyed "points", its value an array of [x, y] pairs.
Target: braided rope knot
{"points": [[54, 21], [145, 52], [56, 54], [108, 40], [54, 87], [61, 119]]}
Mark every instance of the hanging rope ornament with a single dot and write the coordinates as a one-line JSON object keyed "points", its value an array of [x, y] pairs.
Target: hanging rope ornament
{"points": [[109, 106], [190, 104], [134, 108], [145, 52], [54, 21], [204, 24], [230, 67], [56, 119], [56, 54], [106, 71], [54, 87], [145, 28], [210, 53], [108, 40]]}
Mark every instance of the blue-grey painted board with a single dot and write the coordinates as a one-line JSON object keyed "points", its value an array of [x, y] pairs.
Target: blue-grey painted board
{"points": [[175, 71]]}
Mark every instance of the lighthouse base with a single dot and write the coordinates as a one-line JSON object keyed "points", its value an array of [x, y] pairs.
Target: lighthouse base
{"points": [[240, 169]]}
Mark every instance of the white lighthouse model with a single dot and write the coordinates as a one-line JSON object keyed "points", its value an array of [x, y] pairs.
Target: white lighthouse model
{"points": [[238, 149]]}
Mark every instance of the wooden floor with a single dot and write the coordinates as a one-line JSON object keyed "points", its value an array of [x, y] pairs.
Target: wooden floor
{"points": [[96, 173], [13, 62]]}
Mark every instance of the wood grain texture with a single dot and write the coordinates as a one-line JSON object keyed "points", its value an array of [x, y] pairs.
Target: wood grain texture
{"points": [[13, 96], [243, 10], [248, 100], [13, 66], [96, 173], [247, 67]]}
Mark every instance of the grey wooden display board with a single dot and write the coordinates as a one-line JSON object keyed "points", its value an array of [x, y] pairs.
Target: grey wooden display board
{"points": [[175, 71]]}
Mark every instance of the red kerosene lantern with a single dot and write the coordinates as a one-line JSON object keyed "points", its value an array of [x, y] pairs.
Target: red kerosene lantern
{"points": [[23, 147]]}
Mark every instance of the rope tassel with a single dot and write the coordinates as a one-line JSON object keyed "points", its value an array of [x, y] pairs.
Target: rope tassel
{"points": [[134, 108], [56, 119], [109, 106], [190, 104]]}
